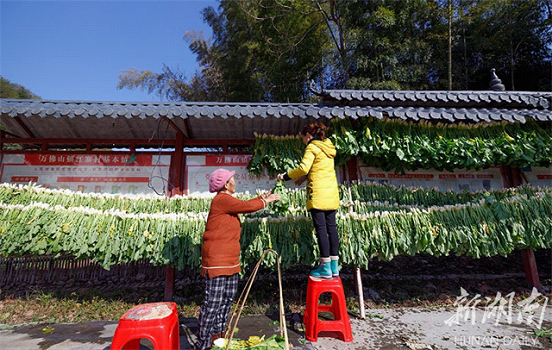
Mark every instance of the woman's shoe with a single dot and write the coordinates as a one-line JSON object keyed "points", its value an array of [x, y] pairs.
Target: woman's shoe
{"points": [[323, 270], [334, 265]]}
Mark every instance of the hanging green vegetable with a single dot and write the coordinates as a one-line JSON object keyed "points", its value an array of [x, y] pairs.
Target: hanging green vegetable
{"points": [[374, 219], [280, 207], [399, 145]]}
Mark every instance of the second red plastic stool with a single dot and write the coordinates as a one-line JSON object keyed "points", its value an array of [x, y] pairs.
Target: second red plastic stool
{"points": [[340, 323]]}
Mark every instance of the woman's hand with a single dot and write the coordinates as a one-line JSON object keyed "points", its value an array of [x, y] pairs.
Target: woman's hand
{"points": [[280, 177], [271, 197]]}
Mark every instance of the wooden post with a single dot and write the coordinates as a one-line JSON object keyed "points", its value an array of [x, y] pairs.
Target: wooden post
{"points": [[177, 167], [352, 175], [530, 268], [360, 291], [176, 176], [513, 179], [169, 283], [352, 171]]}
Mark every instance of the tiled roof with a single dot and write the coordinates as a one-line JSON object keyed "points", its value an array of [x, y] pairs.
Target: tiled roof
{"points": [[125, 120], [460, 114], [143, 110], [239, 121], [453, 99]]}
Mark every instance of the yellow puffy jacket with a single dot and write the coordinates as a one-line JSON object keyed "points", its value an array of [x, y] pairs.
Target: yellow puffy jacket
{"points": [[318, 165]]}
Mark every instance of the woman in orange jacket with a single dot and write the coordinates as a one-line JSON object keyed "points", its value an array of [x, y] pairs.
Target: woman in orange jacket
{"points": [[220, 253], [322, 194]]}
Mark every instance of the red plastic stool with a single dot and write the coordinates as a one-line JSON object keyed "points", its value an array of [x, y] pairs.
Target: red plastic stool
{"points": [[157, 322], [340, 323]]}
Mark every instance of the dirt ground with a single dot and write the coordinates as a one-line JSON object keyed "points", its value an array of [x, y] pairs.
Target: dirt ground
{"points": [[419, 281], [409, 281]]}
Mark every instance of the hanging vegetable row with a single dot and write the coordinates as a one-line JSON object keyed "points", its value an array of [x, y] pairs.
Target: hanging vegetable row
{"points": [[356, 196], [491, 223], [399, 145], [394, 144], [276, 154]]}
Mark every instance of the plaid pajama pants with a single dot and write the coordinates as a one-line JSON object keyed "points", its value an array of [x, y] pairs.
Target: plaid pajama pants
{"points": [[219, 296]]}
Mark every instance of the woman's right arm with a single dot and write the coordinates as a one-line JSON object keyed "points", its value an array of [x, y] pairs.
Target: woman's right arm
{"points": [[234, 205], [303, 168]]}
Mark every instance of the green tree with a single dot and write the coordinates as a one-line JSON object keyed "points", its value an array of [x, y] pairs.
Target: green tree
{"points": [[15, 91], [11, 90], [388, 43], [513, 36], [262, 50], [446, 35], [404, 44], [205, 85], [268, 50]]}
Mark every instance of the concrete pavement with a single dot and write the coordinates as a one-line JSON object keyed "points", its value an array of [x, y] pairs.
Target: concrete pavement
{"points": [[464, 327]]}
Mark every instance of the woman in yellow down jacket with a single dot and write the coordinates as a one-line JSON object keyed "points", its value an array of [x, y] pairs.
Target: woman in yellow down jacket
{"points": [[322, 194]]}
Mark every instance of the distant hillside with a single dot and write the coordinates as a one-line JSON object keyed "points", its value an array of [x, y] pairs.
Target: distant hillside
{"points": [[11, 90]]}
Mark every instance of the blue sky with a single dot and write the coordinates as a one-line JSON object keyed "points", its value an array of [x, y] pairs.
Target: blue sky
{"points": [[75, 50]]}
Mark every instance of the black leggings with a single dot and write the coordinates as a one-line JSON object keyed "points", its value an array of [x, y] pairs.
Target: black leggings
{"points": [[326, 232]]}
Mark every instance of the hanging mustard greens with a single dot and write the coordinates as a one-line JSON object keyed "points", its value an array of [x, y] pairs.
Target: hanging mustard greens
{"points": [[344, 139], [275, 154], [373, 220], [394, 144], [280, 207], [399, 145]]}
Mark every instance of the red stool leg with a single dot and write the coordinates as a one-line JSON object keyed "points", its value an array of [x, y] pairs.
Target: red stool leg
{"points": [[173, 340], [170, 338], [339, 309], [334, 309], [175, 336], [310, 318], [133, 344], [120, 344]]}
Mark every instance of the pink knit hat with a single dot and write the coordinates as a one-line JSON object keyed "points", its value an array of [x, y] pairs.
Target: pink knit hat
{"points": [[218, 178]]}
